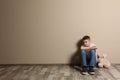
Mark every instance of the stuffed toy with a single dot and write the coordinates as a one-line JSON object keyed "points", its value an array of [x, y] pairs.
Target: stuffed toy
{"points": [[102, 61]]}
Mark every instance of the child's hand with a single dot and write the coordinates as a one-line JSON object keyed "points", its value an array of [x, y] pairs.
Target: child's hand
{"points": [[93, 47]]}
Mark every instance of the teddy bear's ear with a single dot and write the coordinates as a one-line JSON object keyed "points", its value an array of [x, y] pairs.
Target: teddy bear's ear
{"points": [[99, 55], [104, 55]]}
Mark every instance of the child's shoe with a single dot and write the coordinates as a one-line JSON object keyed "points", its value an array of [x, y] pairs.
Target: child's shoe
{"points": [[91, 70], [84, 70]]}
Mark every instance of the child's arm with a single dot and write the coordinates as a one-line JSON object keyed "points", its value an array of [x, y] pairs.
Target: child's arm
{"points": [[93, 47], [88, 48], [84, 48]]}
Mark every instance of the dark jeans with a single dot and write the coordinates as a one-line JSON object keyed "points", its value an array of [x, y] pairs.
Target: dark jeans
{"points": [[92, 58]]}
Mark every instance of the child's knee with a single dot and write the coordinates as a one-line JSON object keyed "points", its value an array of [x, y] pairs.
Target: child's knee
{"points": [[83, 51], [92, 51]]}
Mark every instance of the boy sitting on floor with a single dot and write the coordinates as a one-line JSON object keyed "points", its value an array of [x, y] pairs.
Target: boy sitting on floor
{"points": [[88, 56]]}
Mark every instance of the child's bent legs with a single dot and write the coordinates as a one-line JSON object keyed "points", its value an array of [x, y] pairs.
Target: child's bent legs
{"points": [[83, 58], [92, 58]]}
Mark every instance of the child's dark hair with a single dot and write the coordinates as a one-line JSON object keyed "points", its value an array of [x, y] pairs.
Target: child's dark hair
{"points": [[86, 37]]}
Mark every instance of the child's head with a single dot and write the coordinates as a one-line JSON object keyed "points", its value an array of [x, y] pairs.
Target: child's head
{"points": [[86, 40]]}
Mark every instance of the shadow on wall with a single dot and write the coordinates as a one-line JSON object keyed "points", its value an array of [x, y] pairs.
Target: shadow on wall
{"points": [[75, 58]]}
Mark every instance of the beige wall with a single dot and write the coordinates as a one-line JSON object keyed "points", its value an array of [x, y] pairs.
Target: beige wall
{"points": [[47, 31]]}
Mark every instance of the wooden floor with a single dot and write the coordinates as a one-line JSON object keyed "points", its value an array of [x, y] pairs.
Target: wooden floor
{"points": [[55, 72]]}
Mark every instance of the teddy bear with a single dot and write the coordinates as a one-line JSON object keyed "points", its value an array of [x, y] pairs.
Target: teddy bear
{"points": [[102, 61]]}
